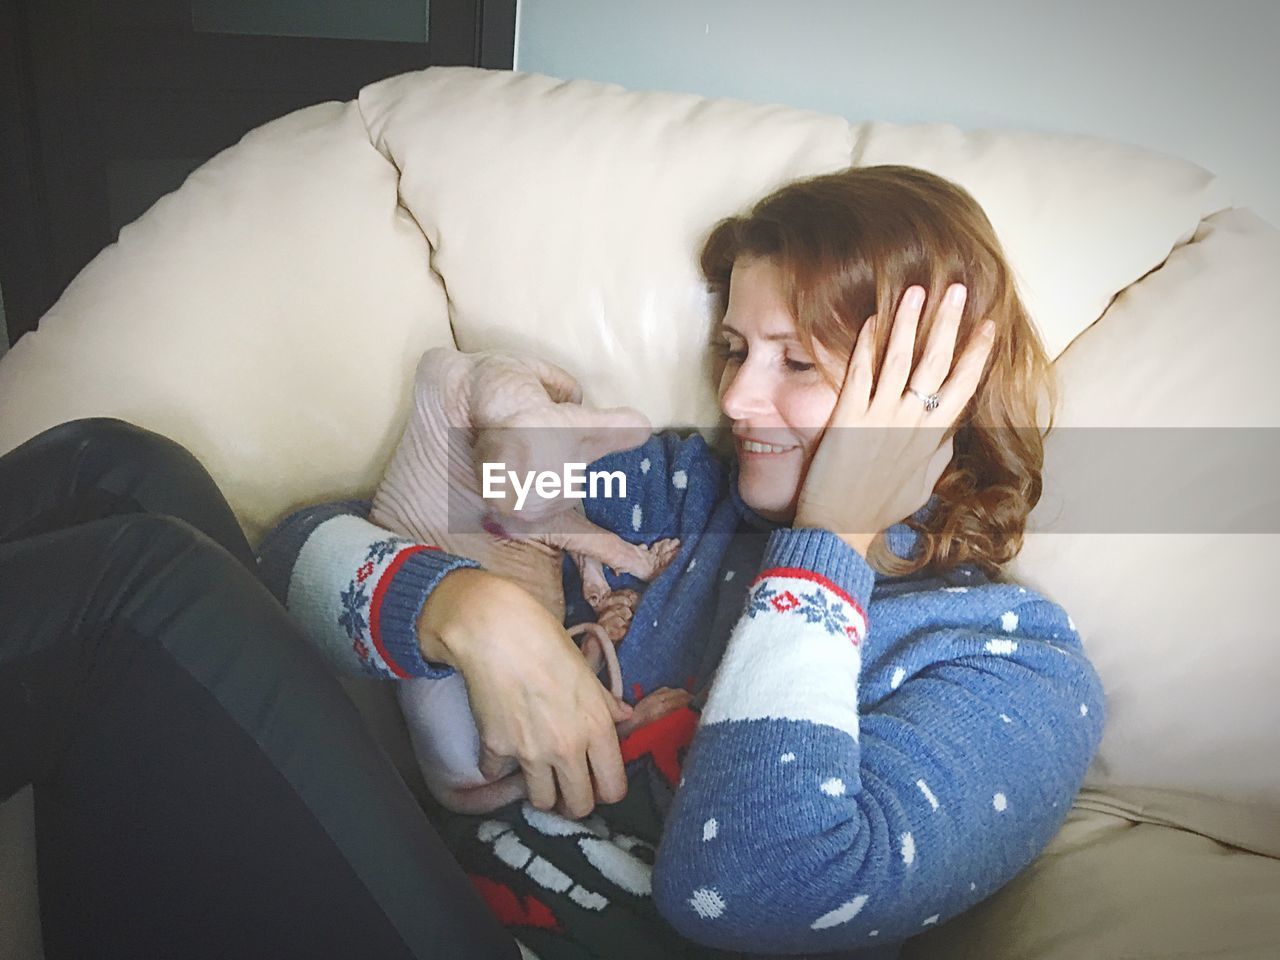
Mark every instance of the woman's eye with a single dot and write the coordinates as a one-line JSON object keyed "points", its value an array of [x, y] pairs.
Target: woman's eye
{"points": [[799, 366], [724, 350]]}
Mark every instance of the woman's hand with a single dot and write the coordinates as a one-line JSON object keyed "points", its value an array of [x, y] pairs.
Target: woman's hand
{"points": [[862, 481], [532, 695]]}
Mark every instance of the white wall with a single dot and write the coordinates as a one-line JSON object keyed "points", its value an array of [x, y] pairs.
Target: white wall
{"points": [[1196, 78]]}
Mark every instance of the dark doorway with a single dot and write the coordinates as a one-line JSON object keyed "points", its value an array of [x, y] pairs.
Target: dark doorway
{"points": [[105, 105]]}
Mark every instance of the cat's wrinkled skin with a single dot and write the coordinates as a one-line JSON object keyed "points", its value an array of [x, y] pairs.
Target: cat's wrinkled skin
{"points": [[473, 408]]}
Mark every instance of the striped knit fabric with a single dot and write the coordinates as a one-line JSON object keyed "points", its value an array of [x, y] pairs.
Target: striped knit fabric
{"points": [[356, 588], [864, 757]]}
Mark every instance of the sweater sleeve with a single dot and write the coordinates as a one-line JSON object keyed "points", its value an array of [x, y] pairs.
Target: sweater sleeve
{"points": [[805, 824], [355, 588]]}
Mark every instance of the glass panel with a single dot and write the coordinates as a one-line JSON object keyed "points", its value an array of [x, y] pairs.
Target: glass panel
{"points": [[339, 19], [4, 329]]}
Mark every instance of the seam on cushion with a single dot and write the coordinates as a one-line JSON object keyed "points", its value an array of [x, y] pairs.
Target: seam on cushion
{"points": [[364, 122], [1136, 815], [1187, 239], [431, 247]]}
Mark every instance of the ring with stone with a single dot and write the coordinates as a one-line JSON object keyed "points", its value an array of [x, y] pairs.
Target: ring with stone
{"points": [[930, 401]]}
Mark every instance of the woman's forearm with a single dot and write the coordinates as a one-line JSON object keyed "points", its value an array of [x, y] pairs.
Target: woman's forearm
{"points": [[357, 589], [440, 638], [905, 776]]}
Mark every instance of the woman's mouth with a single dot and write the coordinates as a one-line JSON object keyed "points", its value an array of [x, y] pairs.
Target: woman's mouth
{"points": [[752, 448]]}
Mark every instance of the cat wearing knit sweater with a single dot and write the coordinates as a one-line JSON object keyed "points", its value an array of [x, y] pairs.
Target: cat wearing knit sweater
{"points": [[525, 413]]}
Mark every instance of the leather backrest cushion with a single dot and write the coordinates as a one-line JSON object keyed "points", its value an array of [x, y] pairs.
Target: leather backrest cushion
{"points": [[268, 315]]}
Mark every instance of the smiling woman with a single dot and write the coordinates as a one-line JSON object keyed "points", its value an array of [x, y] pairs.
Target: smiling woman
{"points": [[834, 757], [799, 278], [863, 730]]}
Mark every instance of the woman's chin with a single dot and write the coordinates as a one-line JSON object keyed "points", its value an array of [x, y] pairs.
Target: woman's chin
{"points": [[769, 505]]}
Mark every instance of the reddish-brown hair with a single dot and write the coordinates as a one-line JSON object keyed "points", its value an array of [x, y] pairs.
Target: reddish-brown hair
{"points": [[848, 245]]}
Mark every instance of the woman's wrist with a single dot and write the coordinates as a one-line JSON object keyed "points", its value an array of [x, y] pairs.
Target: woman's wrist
{"points": [[861, 542], [439, 638]]}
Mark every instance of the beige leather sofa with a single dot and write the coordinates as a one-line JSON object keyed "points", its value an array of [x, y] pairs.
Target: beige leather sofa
{"points": [[269, 313]]}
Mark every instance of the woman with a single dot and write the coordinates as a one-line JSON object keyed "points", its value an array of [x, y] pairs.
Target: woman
{"points": [[880, 734], [881, 738]]}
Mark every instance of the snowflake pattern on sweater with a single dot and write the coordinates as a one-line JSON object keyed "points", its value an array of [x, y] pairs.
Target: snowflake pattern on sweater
{"points": [[814, 607], [864, 757], [356, 590]]}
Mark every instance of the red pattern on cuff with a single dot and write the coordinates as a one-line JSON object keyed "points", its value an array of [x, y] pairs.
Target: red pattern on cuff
{"points": [[800, 573], [375, 607]]}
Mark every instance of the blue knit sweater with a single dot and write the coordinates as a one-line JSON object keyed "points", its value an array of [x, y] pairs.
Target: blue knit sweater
{"points": [[865, 756]]}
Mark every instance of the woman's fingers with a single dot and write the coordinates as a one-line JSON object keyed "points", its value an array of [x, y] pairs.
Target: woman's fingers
{"points": [[963, 382], [935, 362], [607, 769], [895, 370], [858, 376], [591, 770], [860, 389], [540, 780], [575, 787]]}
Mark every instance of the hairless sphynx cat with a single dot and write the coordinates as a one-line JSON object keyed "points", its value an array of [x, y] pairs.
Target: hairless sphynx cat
{"points": [[473, 408]]}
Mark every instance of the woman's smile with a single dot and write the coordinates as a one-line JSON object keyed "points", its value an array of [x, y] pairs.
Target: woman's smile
{"points": [[755, 450]]}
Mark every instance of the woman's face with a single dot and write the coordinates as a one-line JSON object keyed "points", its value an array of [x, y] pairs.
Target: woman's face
{"points": [[771, 389]]}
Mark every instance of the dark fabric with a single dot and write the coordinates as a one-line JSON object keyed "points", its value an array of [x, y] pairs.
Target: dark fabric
{"points": [[203, 786]]}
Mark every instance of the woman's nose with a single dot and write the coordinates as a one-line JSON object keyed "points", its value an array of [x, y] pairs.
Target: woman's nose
{"points": [[744, 396]]}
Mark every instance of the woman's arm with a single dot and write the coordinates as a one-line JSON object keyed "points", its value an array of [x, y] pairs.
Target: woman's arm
{"points": [[803, 825], [360, 590], [357, 588], [382, 606]]}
